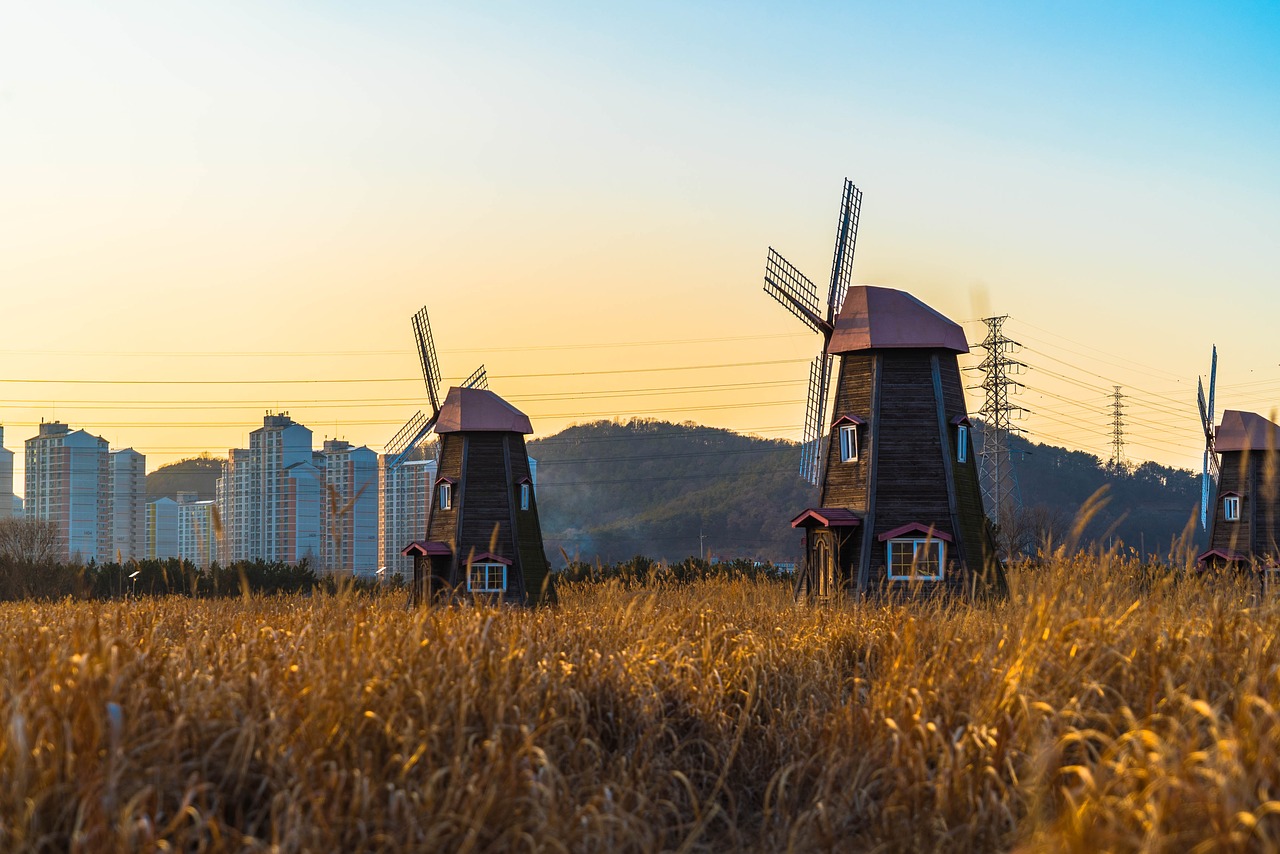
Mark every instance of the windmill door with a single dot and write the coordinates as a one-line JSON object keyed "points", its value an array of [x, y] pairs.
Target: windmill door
{"points": [[823, 564]]}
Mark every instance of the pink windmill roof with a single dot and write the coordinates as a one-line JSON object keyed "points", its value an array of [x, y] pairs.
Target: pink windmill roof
{"points": [[1245, 431], [468, 410], [874, 318]]}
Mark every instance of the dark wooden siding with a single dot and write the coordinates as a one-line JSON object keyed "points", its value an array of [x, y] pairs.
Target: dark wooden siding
{"points": [[1235, 477], [978, 547], [532, 554], [442, 524], [485, 524], [911, 483], [1258, 530], [845, 484]]}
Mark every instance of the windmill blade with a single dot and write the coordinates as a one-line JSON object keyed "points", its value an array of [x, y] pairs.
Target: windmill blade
{"points": [[815, 419], [1204, 494], [405, 434], [795, 291], [1204, 407], [478, 379], [427, 356], [1213, 381], [409, 438], [846, 240]]}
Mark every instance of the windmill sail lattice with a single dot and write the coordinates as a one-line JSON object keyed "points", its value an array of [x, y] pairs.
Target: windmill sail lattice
{"points": [[799, 295], [416, 429], [1209, 471]]}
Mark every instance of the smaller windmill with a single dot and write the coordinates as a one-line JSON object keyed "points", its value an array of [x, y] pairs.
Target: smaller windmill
{"points": [[482, 538], [799, 295], [1209, 470]]}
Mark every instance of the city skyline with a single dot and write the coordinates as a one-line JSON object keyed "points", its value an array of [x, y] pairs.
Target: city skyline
{"points": [[200, 202]]}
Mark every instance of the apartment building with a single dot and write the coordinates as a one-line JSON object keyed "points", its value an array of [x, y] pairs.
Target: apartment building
{"points": [[128, 478], [68, 482], [198, 526], [350, 511], [8, 501], [161, 529], [404, 500]]}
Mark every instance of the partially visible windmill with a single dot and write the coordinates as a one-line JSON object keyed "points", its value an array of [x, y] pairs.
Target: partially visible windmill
{"points": [[1209, 471], [799, 295], [415, 430]]}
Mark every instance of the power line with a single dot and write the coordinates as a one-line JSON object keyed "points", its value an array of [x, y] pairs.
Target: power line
{"points": [[995, 472]]}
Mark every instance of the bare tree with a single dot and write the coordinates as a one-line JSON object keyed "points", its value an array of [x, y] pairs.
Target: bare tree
{"points": [[29, 541]]}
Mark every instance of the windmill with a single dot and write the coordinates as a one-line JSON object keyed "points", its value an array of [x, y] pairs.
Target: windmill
{"points": [[799, 295], [900, 506], [482, 534], [1209, 471]]}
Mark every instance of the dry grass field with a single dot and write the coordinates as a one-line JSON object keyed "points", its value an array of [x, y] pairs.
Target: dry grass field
{"points": [[1090, 712]]}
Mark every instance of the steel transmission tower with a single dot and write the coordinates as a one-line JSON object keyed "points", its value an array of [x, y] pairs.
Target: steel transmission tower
{"points": [[995, 460], [1117, 429]]}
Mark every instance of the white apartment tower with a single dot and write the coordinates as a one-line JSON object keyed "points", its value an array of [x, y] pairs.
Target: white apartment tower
{"points": [[68, 482], [270, 495], [350, 507], [8, 502], [404, 501], [128, 504]]}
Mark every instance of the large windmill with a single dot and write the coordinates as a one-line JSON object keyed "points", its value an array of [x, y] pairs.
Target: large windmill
{"points": [[1209, 470], [900, 507]]}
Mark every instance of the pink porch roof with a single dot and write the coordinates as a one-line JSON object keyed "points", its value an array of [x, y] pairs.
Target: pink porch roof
{"points": [[1222, 555], [915, 528], [874, 318], [423, 547], [827, 517], [1245, 431], [490, 557], [480, 410]]}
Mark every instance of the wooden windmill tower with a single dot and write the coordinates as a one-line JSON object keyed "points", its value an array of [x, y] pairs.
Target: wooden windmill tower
{"points": [[1242, 498], [900, 506], [483, 538]]}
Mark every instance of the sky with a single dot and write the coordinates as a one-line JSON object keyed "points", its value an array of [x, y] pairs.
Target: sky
{"points": [[211, 211]]}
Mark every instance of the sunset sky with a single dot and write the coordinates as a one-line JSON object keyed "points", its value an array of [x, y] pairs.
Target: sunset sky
{"points": [[211, 211]]}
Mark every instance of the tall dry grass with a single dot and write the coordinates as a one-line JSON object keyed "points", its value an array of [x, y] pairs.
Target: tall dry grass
{"points": [[1092, 711]]}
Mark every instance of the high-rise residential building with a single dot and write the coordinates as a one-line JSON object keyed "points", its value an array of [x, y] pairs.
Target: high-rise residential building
{"points": [[197, 530], [162, 529], [404, 501], [270, 495], [7, 498], [128, 504], [68, 482], [350, 507]]}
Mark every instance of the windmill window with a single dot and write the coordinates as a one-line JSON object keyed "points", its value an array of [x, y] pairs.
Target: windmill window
{"points": [[487, 578], [849, 443], [913, 559], [1231, 508], [446, 495], [962, 443], [524, 496]]}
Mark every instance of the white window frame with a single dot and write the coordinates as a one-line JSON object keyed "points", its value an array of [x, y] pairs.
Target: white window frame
{"points": [[916, 544], [524, 496], [962, 443], [444, 495], [487, 572], [1231, 508], [848, 443]]}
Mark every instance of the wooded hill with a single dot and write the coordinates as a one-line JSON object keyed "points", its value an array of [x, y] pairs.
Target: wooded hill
{"points": [[612, 490], [198, 474]]}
